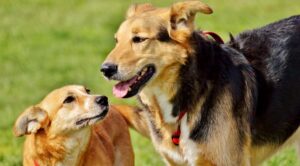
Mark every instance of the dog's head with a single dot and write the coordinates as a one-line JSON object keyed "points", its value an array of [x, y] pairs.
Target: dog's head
{"points": [[63, 111], [150, 42]]}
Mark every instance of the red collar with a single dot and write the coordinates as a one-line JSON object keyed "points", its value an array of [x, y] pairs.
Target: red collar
{"points": [[176, 134], [35, 163], [215, 36]]}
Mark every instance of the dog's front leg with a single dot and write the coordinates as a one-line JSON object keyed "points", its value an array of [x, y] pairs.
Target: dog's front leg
{"points": [[135, 118]]}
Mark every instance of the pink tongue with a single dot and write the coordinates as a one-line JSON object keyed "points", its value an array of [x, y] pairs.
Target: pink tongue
{"points": [[121, 89]]}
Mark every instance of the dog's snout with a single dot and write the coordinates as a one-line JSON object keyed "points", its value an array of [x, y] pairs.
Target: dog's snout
{"points": [[102, 100], [109, 69]]}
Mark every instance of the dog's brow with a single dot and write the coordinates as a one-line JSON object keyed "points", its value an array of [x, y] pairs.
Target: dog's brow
{"points": [[136, 30], [79, 91], [70, 94]]}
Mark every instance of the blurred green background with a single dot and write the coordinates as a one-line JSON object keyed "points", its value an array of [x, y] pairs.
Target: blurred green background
{"points": [[45, 44]]}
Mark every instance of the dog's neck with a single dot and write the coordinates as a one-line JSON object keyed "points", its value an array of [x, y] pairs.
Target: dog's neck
{"points": [[158, 94], [57, 150], [177, 90]]}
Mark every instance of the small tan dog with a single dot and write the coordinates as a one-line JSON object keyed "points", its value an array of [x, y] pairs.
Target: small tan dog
{"points": [[59, 131]]}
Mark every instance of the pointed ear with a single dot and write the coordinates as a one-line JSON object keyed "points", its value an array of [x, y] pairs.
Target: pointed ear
{"points": [[182, 15], [138, 8], [30, 121]]}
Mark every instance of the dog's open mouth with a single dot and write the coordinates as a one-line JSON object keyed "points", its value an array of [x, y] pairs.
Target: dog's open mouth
{"points": [[131, 87], [98, 117]]}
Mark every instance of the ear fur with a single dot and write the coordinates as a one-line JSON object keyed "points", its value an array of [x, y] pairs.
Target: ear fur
{"points": [[182, 15], [138, 8], [30, 121]]}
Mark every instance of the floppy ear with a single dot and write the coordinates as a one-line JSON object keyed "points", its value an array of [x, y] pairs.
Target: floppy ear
{"points": [[138, 8], [30, 121], [182, 15]]}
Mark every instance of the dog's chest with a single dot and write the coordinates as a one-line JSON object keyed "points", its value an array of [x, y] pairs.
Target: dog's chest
{"points": [[186, 153], [191, 150], [75, 147], [162, 127], [166, 148]]}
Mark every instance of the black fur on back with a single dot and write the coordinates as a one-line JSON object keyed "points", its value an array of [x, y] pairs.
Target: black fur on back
{"points": [[274, 53], [265, 63], [220, 67]]}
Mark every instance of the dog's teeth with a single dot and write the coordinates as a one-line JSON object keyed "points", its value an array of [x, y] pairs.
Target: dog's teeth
{"points": [[129, 89], [144, 70], [139, 77]]}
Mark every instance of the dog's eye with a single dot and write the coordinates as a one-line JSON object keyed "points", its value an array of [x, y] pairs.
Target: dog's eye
{"points": [[69, 99], [137, 39], [88, 91], [116, 40]]}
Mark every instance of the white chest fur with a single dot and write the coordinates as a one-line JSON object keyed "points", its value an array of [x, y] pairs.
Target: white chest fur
{"points": [[166, 107], [190, 149], [187, 152], [75, 146], [177, 154]]}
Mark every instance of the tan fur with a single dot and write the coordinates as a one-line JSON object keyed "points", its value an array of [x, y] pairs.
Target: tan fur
{"points": [[55, 140], [182, 19], [146, 21], [131, 114]]}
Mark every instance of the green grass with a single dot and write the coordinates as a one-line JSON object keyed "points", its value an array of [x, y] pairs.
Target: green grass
{"points": [[45, 44]]}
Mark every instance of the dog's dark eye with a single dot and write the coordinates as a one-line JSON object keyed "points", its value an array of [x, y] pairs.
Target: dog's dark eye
{"points": [[69, 99], [88, 91], [116, 40], [137, 39]]}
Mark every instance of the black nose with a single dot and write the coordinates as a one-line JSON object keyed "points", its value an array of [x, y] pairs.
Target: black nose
{"points": [[109, 69], [101, 100]]}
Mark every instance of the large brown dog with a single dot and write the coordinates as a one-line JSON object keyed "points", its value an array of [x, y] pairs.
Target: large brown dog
{"points": [[207, 103], [59, 131]]}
